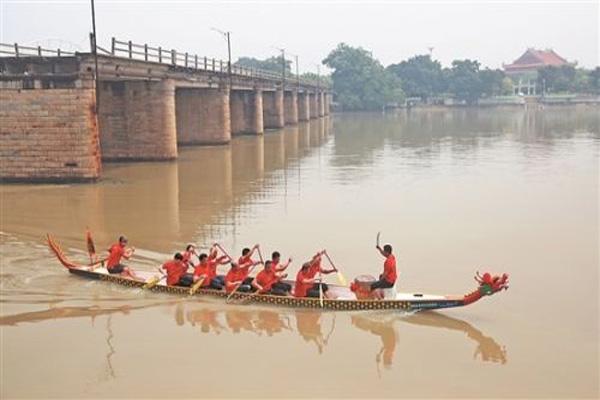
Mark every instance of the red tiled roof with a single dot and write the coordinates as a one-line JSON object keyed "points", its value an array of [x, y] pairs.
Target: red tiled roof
{"points": [[534, 59]]}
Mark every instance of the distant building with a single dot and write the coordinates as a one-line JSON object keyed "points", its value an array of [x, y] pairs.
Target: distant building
{"points": [[523, 71]]}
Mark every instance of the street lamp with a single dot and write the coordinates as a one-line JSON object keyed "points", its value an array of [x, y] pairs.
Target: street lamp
{"points": [[297, 69], [226, 35], [95, 52], [282, 65]]}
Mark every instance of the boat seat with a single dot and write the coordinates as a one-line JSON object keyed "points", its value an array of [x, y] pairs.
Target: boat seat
{"points": [[389, 293]]}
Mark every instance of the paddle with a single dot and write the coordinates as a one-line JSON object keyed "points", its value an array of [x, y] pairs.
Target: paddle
{"points": [[321, 289], [196, 286], [340, 277], [223, 250], [154, 281]]}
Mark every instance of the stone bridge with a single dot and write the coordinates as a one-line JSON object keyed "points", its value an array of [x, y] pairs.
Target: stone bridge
{"points": [[58, 122]]}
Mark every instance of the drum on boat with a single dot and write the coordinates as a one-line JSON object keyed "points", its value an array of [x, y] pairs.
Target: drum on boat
{"points": [[362, 287]]}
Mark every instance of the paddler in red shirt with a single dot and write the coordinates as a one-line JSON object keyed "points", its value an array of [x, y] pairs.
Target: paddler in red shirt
{"points": [[190, 255], [238, 276], [306, 283], [177, 272], [207, 270], [388, 278], [266, 281], [115, 253], [278, 268]]}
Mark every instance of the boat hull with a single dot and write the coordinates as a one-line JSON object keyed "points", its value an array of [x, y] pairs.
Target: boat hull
{"points": [[284, 301]]}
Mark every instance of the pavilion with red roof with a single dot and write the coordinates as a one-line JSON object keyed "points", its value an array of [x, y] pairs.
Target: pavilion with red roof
{"points": [[523, 71]]}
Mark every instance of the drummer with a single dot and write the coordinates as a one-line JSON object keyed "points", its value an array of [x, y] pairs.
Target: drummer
{"points": [[388, 278]]}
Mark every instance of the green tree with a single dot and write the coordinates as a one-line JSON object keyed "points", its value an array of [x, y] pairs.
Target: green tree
{"points": [[492, 82], [274, 64], [507, 86], [464, 81], [594, 81], [556, 79], [360, 81], [420, 76]]}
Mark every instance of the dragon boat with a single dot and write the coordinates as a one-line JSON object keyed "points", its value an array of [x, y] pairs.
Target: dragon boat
{"points": [[345, 298]]}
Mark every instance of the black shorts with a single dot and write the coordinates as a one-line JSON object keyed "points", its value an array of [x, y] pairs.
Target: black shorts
{"points": [[281, 287], [186, 280], [117, 269], [381, 284], [314, 291]]}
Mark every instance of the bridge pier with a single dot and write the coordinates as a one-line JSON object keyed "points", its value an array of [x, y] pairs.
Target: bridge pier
{"points": [[303, 106], [246, 112], [327, 100], [137, 120], [321, 103], [49, 135], [313, 106], [273, 116], [290, 104], [203, 116]]}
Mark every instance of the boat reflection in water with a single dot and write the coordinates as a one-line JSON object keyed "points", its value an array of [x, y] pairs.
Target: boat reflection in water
{"points": [[311, 325]]}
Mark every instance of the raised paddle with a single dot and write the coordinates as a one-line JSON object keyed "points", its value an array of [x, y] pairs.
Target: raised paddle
{"points": [[340, 277], [223, 250]]}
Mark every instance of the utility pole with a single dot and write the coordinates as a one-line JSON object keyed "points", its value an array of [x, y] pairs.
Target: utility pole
{"points": [[95, 53], [227, 36], [282, 66]]}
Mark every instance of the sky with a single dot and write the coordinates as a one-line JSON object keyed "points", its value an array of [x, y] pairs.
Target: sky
{"points": [[493, 32]]}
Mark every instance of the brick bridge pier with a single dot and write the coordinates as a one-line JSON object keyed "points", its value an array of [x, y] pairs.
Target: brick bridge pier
{"points": [[150, 100]]}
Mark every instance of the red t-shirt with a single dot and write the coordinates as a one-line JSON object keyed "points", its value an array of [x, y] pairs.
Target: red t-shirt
{"points": [[175, 270], [116, 251], [235, 275], [389, 269], [300, 288], [266, 279], [244, 261]]}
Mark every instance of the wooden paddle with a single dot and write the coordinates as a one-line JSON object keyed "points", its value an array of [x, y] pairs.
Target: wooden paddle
{"points": [[321, 289], [196, 286], [155, 280], [340, 277], [223, 250]]}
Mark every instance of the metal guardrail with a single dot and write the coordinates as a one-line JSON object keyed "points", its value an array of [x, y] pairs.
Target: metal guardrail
{"points": [[128, 49], [17, 50]]}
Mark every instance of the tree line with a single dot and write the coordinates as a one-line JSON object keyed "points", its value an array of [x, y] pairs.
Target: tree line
{"points": [[361, 82]]}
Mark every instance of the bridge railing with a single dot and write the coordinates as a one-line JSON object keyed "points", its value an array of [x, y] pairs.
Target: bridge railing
{"points": [[17, 50], [128, 49]]}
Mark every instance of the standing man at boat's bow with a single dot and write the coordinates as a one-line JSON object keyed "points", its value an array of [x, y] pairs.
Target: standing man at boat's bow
{"points": [[115, 253], [388, 278]]}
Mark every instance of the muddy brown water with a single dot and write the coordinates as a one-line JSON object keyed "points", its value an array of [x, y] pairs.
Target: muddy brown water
{"points": [[454, 191]]}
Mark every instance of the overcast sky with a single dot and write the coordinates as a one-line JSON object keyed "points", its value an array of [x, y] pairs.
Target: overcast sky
{"points": [[493, 32]]}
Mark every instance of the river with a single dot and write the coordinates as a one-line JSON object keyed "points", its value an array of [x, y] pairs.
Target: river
{"points": [[454, 191]]}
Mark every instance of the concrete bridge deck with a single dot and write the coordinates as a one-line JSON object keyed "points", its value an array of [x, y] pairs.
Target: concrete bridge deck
{"points": [[58, 123]]}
